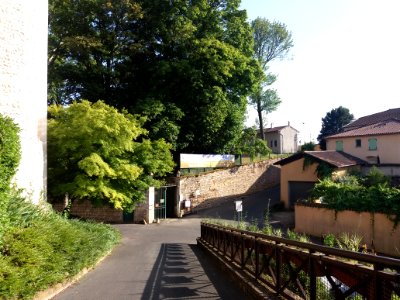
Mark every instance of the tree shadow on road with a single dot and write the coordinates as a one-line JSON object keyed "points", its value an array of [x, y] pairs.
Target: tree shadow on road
{"points": [[182, 271]]}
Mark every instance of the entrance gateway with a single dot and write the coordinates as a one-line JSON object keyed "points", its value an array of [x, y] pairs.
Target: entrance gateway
{"points": [[165, 202]]}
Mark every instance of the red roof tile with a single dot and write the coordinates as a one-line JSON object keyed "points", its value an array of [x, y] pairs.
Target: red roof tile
{"points": [[381, 128], [374, 118], [337, 159]]}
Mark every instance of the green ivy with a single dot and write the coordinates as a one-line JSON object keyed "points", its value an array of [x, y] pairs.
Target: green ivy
{"points": [[356, 195]]}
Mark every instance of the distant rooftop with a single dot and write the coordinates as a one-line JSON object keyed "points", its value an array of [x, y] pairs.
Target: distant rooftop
{"points": [[391, 126], [374, 118]]}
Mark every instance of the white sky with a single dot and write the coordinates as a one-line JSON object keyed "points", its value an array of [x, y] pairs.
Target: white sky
{"points": [[346, 53]]}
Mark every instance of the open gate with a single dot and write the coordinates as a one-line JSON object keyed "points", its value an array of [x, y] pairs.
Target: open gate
{"points": [[165, 202]]}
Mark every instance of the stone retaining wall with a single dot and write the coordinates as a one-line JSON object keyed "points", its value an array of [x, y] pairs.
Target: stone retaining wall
{"points": [[223, 183]]}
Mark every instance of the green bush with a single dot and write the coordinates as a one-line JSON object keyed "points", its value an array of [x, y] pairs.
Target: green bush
{"points": [[10, 151], [370, 194], [42, 248], [10, 155]]}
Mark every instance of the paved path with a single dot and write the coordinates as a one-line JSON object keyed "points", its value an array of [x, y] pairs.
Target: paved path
{"points": [[158, 261]]}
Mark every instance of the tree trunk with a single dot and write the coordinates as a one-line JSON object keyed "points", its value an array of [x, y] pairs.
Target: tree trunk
{"points": [[260, 119]]}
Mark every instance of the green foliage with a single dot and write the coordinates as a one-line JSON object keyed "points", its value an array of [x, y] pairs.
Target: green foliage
{"points": [[10, 155], [272, 40], [351, 193], [96, 152], [375, 177], [323, 169], [310, 146], [42, 248], [351, 242], [249, 144], [333, 123], [10, 151], [329, 240], [186, 65]]}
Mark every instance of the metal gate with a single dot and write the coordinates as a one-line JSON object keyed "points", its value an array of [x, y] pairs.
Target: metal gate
{"points": [[165, 202], [160, 203]]}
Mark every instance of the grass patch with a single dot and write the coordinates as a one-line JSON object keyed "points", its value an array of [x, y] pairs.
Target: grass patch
{"points": [[41, 248]]}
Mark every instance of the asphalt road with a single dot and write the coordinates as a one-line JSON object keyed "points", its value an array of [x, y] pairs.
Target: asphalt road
{"points": [[157, 261], [254, 208], [162, 261]]}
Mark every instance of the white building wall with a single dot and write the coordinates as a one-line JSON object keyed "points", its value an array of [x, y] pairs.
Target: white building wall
{"points": [[23, 85]]}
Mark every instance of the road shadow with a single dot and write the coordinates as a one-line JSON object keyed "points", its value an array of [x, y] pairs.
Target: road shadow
{"points": [[182, 271]]}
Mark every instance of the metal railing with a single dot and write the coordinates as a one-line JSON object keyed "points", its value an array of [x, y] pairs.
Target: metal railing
{"points": [[297, 270]]}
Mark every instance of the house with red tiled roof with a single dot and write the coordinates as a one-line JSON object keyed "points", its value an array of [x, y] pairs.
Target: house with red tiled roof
{"points": [[301, 171], [282, 139], [377, 143], [367, 141]]}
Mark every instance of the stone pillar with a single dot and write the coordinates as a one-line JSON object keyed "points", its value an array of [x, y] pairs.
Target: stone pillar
{"points": [[23, 85]]}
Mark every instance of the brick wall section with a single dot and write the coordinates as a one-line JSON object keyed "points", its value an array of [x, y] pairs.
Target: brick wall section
{"points": [[85, 210], [229, 182], [23, 85]]}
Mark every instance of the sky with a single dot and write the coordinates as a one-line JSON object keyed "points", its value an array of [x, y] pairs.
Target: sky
{"points": [[346, 53]]}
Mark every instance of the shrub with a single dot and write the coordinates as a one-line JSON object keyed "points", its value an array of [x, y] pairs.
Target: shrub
{"points": [[42, 248], [10, 151], [10, 155], [371, 194]]}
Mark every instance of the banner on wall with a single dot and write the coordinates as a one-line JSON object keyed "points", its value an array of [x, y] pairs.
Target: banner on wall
{"points": [[206, 161]]}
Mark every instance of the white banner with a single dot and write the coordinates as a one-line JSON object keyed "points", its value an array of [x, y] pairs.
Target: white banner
{"points": [[206, 161]]}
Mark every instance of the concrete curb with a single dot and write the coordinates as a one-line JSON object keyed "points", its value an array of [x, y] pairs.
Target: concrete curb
{"points": [[248, 286]]}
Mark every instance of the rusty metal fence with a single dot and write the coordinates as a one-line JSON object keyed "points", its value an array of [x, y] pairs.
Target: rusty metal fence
{"points": [[296, 270]]}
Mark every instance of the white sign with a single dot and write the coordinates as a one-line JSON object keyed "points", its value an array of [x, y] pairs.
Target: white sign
{"points": [[238, 206], [206, 160], [187, 203]]}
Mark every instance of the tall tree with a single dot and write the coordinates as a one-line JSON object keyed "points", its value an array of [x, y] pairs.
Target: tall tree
{"points": [[271, 41], [186, 65], [333, 123]]}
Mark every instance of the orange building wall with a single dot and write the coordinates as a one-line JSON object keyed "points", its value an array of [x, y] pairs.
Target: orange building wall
{"points": [[294, 172]]}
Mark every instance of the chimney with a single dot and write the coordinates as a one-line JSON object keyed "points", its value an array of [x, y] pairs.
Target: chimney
{"points": [[288, 123]]}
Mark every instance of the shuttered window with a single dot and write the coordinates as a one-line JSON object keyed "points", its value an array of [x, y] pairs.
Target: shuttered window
{"points": [[339, 145], [372, 144]]}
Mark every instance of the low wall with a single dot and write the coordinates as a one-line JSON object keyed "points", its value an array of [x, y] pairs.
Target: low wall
{"points": [[377, 231], [239, 180], [86, 210]]}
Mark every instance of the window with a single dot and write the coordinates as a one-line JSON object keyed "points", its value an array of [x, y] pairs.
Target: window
{"points": [[271, 143], [358, 143], [339, 145], [372, 144], [276, 143]]}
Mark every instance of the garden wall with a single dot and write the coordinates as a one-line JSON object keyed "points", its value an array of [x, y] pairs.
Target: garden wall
{"points": [[222, 183], [85, 210], [377, 231]]}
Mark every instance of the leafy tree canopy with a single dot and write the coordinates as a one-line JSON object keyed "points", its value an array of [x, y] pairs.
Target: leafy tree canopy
{"points": [[333, 123], [186, 65], [271, 41], [96, 152], [250, 144]]}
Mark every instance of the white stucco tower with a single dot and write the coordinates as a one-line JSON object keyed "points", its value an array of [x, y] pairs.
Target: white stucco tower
{"points": [[23, 85]]}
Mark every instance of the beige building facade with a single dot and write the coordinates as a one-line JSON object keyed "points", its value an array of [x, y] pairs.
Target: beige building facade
{"points": [[23, 85], [376, 144]]}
